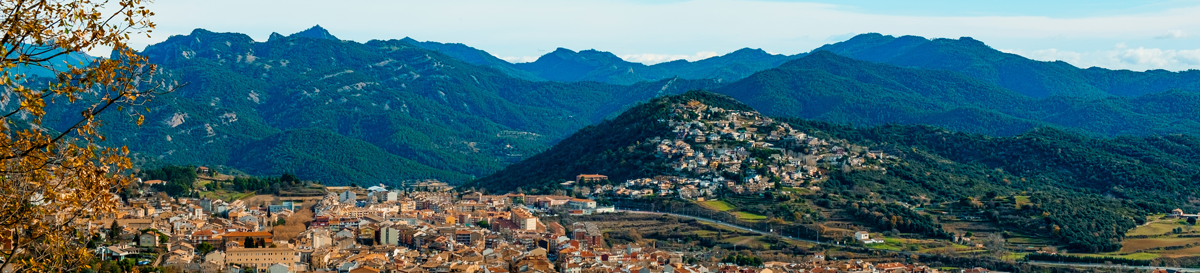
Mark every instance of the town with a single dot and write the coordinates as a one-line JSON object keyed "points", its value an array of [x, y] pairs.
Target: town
{"points": [[379, 229]]}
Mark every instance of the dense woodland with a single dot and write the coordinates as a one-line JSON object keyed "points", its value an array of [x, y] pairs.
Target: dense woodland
{"points": [[177, 180], [1085, 191]]}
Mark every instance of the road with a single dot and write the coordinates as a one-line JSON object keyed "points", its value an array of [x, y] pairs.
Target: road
{"points": [[702, 219]]}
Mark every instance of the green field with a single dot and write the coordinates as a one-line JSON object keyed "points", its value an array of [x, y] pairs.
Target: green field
{"points": [[921, 245], [717, 205], [888, 245], [1156, 228], [1021, 200], [749, 216]]}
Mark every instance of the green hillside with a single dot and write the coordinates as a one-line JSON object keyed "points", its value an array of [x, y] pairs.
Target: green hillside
{"points": [[601, 148], [418, 104], [340, 160], [1083, 192]]}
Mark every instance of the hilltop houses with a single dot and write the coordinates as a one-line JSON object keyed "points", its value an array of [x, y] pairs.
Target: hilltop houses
{"points": [[741, 151]]}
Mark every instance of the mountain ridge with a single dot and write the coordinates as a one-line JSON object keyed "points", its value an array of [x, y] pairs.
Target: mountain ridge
{"points": [[830, 87], [408, 101], [1018, 73]]}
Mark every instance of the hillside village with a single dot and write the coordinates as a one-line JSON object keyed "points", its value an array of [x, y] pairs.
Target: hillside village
{"points": [[382, 230], [713, 148]]}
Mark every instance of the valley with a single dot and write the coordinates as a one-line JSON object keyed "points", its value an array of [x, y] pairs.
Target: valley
{"points": [[599, 137], [813, 172]]}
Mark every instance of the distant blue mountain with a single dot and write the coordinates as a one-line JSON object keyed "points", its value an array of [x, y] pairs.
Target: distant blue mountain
{"points": [[474, 56], [1033, 78], [59, 63], [565, 65], [599, 66]]}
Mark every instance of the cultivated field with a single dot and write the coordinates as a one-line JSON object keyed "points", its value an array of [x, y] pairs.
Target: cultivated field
{"points": [[1131, 245], [1158, 227], [746, 216], [717, 205]]}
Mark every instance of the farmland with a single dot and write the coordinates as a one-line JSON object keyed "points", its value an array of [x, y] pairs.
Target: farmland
{"points": [[717, 205], [746, 216], [1158, 227]]}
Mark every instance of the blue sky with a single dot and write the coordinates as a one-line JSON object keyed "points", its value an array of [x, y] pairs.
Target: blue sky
{"points": [[1137, 35]]}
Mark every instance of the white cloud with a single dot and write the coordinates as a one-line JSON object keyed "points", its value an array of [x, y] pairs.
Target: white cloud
{"points": [[1120, 57], [522, 59], [650, 59], [1141, 56], [1172, 34], [1189, 57]]}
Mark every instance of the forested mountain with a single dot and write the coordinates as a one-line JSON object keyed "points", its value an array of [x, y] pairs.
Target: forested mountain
{"points": [[829, 87], [452, 112], [437, 116], [1033, 78], [1083, 191], [474, 56], [592, 65]]}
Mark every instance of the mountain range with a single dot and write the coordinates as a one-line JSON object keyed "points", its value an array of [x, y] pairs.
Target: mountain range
{"points": [[565, 65], [830, 87], [967, 56], [397, 110], [591, 65], [391, 110], [1014, 72]]}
